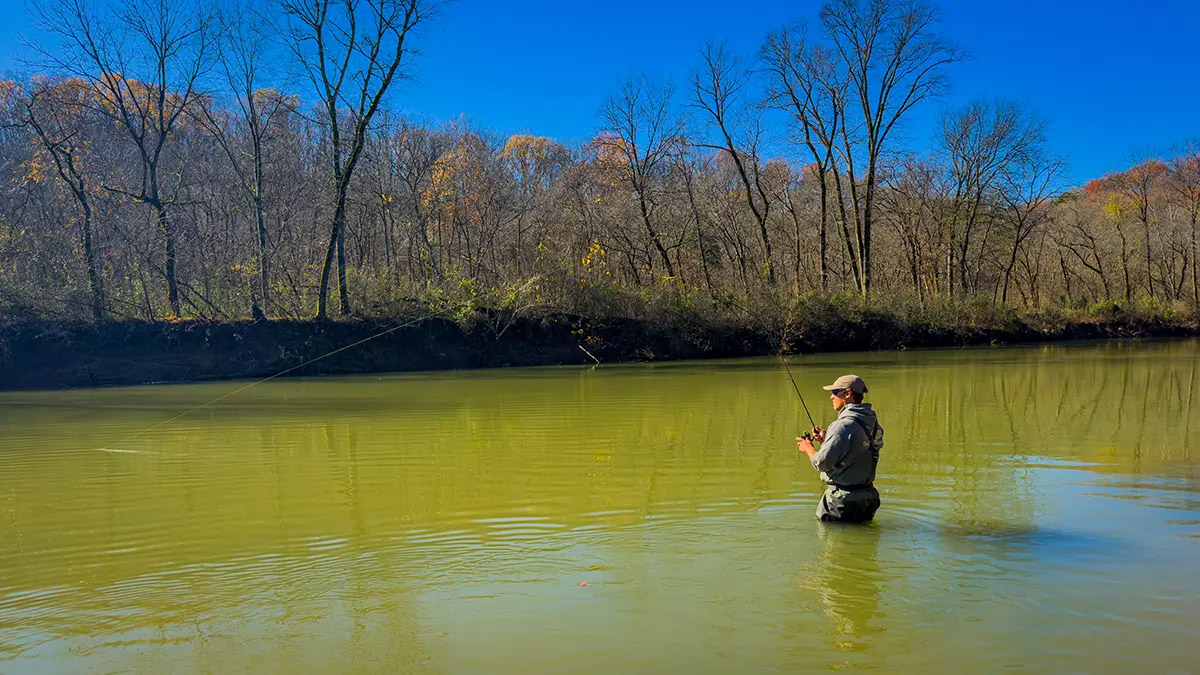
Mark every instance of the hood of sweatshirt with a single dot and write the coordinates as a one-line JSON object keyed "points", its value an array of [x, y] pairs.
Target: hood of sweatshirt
{"points": [[861, 413]]}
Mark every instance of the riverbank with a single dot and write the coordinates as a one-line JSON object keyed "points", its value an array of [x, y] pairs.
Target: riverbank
{"points": [[43, 354]]}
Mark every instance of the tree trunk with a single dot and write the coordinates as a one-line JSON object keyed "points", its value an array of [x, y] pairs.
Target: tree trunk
{"points": [[1062, 263], [1125, 266], [865, 240], [963, 268], [662, 252], [796, 261], [164, 222], [262, 248], [343, 291], [387, 244], [914, 272], [824, 246], [949, 270], [1195, 277], [1149, 263], [837, 178], [700, 240], [339, 215], [98, 309], [1012, 262], [760, 217], [766, 238], [146, 293]]}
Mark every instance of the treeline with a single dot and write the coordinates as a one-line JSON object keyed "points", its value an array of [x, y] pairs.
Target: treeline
{"points": [[153, 173]]}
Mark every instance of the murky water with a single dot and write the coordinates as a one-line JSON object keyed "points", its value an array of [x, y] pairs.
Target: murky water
{"points": [[1041, 509]]}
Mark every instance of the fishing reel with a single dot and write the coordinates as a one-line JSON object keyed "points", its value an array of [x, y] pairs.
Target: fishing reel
{"points": [[807, 435]]}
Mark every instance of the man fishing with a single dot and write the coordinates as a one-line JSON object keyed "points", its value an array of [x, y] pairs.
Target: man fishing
{"points": [[848, 455]]}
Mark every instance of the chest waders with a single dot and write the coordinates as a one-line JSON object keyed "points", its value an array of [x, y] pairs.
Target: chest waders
{"points": [[853, 503]]}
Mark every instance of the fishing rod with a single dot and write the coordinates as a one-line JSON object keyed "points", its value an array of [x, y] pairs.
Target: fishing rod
{"points": [[806, 434]]}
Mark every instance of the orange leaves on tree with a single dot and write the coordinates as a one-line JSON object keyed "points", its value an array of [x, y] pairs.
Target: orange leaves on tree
{"points": [[459, 175]]}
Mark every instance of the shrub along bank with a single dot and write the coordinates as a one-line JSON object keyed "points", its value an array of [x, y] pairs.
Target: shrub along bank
{"points": [[48, 354]]}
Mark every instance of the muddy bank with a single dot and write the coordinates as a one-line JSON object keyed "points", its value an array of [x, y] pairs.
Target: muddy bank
{"points": [[40, 354]]}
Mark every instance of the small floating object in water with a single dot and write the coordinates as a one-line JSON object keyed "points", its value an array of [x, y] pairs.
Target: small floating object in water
{"points": [[584, 583], [124, 452]]}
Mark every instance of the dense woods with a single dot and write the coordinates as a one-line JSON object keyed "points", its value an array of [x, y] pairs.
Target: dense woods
{"points": [[155, 169]]}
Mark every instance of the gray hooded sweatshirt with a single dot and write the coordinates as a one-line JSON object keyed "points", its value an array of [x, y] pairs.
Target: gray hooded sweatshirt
{"points": [[848, 456]]}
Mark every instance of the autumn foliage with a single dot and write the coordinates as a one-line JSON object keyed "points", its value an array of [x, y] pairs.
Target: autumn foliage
{"points": [[132, 195]]}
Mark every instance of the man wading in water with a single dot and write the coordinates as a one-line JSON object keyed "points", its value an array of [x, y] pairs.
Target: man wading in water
{"points": [[848, 456]]}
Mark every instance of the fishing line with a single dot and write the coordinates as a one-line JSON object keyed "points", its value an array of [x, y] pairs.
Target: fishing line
{"points": [[282, 373]]}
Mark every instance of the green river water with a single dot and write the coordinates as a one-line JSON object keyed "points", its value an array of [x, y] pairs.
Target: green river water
{"points": [[1041, 509]]}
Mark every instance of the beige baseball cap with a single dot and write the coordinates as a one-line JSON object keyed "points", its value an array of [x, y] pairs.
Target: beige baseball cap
{"points": [[852, 382]]}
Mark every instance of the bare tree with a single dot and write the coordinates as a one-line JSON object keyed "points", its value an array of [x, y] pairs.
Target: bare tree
{"points": [[691, 168], [143, 62], [716, 91], [981, 141], [643, 134], [1029, 186], [243, 52], [805, 81], [54, 112], [414, 160], [533, 162], [1185, 182], [1139, 184], [351, 52], [913, 200], [894, 61]]}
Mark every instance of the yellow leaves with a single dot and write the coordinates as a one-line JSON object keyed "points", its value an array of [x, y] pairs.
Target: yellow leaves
{"points": [[269, 97], [595, 255], [34, 173], [143, 97], [459, 178], [595, 261], [526, 148], [532, 157], [1115, 207], [385, 198], [8, 91], [9, 234], [37, 167]]}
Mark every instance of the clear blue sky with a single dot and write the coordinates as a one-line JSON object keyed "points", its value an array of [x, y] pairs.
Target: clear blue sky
{"points": [[1113, 78]]}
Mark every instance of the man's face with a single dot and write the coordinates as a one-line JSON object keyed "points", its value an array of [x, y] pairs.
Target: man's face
{"points": [[839, 398]]}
